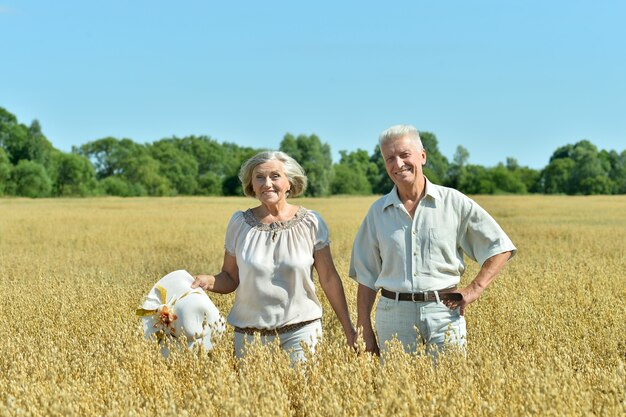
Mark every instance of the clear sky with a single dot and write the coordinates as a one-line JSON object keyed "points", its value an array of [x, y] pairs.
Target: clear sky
{"points": [[502, 78]]}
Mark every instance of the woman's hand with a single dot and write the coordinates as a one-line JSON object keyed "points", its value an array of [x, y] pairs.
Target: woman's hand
{"points": [[225, 282], [202, 281]]}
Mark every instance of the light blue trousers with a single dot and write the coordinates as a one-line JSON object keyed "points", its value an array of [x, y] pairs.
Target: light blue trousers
{"points": [[418, 323], [310, 335]]}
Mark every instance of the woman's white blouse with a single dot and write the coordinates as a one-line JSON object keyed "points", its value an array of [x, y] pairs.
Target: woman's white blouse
{"points": [[275, 268]]}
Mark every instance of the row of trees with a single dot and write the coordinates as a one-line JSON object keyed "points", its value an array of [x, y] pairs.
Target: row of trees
{"points": [[198, 165]]}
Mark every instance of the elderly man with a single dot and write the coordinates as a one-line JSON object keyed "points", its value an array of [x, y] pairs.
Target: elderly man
{"points": [[410, 247]]}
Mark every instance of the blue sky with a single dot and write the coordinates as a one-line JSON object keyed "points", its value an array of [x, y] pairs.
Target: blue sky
{"points": [[516, 78]]}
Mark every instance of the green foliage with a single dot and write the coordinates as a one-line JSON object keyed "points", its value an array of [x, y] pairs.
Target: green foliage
{"points": [[590, 175], [179, 167], [198, 165], [555, 177], [530, 178], [457, 170], [130, 161], [476, 179], [437, 165], [5, 171], [209, 183], [210, 155], [315, 157], [75, 176], [600, 184], [234, 156], [31, 179], [26, 143], [501, 179], [352, 173], [104, 154], [506, 181], [617, 170], [118, 186], [381, 183], [143, 170], [9, 129], [581, 169]]}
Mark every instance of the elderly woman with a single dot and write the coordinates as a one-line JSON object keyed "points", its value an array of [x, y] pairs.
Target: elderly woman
{"points": [[270, 252]]}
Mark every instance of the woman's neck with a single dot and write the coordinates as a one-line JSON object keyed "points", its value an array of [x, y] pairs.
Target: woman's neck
{"points": [[270, 213]]}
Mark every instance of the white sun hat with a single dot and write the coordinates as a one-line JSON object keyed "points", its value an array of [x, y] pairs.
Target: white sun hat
{"points": [[172, 308]]}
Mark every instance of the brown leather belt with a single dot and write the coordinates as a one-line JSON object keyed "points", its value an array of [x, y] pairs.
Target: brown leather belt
{"points": [[274, 332], [444, 295]]}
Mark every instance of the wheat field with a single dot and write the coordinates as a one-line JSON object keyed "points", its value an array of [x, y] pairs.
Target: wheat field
{"points": [[547, 338]]}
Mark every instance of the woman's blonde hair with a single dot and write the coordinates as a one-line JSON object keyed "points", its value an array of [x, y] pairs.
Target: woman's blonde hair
{"points": [[293, 171]]}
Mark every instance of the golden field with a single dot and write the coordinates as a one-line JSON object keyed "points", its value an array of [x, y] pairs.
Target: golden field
{"points": [[547, 338]]}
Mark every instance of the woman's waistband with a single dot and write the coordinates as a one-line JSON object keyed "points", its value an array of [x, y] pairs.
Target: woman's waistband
{"points": [[275, 331]]}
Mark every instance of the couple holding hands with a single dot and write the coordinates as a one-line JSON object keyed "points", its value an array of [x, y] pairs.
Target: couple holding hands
{"points": [[410, 246]]}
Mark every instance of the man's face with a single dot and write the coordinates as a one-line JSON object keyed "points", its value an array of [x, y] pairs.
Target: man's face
{"points": [[403, 161]]}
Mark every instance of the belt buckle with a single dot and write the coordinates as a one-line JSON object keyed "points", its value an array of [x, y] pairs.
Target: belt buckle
{"points": [[414, 294]]}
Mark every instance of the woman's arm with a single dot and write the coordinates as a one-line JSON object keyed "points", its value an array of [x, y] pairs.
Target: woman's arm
{"points": [[331, 284], [224, 282]]}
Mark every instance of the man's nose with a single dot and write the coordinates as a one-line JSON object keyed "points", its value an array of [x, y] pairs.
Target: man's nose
{"points": [[397, 162]]}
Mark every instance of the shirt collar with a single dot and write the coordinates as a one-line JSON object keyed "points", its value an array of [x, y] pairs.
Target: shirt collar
{"points": [[392, 199]]}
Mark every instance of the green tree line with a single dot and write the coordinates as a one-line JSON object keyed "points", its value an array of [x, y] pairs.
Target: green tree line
{"points": [[199, 165]]}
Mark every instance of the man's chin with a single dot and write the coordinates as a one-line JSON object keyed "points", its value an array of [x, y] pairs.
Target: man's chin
{"points": [[404, 178]]}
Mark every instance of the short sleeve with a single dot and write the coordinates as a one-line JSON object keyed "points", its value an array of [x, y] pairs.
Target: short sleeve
{"points": [[322, 235], [232, 231], [365, 262], [482, 237]]}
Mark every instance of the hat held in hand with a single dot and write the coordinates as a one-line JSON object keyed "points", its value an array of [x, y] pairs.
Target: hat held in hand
{"points": [[172, 308]]}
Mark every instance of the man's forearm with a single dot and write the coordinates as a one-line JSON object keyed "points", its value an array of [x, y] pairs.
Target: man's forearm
{"points": [[490, 269]]}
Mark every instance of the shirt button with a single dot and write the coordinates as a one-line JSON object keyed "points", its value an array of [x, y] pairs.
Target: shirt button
{"points": [[414, 253], [414, 274]]}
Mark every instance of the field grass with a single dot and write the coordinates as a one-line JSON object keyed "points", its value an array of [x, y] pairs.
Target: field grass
{"points": [[547, 338]]}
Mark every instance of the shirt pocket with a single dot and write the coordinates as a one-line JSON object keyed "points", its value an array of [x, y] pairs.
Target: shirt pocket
{"points": [[442, 245]]}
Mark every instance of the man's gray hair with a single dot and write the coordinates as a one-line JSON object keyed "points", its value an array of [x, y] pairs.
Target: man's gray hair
{"points": [[293, 171], [400, 131]]}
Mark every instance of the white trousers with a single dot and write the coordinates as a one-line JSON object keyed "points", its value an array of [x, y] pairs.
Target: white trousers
{"points": [[417, 323], [310, 335]]}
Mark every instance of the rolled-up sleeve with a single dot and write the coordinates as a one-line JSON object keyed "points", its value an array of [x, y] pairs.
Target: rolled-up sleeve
{"points": [[482, 237], [365, 262]]}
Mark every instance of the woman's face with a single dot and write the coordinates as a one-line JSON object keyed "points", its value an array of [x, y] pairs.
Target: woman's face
{"points": [[269, 182]]}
